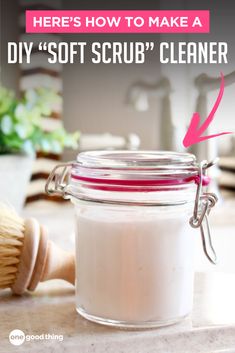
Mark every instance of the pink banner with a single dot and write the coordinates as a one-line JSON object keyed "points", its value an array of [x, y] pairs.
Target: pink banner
{"points": [[138, 21]]}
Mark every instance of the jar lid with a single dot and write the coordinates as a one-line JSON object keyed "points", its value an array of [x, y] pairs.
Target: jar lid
{"points": [[135, 168]]}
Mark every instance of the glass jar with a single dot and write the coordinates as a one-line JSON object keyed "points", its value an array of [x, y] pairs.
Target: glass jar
{"points": [[134, 243]]}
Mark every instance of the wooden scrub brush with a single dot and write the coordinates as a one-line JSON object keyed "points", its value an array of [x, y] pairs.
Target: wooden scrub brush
{"points": [[27, 257]]}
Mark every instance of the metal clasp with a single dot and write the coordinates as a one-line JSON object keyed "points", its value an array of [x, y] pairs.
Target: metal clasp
{"points": [[58, 180], [202, 207]]}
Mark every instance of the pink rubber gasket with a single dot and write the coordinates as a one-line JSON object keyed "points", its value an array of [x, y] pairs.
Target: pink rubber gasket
{"points": [[137, 185]]}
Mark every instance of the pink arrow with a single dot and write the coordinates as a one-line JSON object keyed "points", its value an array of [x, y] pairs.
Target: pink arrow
{"points": [[193, 135]]}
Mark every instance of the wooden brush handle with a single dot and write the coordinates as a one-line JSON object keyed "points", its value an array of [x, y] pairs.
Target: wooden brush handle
{"points": [[41, 260], [58, 264], [28, 256], [42, 252]]}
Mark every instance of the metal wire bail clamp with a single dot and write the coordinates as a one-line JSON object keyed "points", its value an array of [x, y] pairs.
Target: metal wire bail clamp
{"points": [[202, 207]]}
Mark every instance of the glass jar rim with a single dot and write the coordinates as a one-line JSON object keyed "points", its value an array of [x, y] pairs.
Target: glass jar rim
{"points": [[135, 168], [136, 158]]}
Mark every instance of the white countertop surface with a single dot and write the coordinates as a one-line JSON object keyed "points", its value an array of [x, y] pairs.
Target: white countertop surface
{"points": [[51, 308]]}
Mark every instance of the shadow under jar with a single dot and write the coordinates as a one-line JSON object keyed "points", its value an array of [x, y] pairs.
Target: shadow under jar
{"points": [[134, 243]]}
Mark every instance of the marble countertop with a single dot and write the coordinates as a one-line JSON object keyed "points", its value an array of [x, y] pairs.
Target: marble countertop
{"points": [[50, 310]]}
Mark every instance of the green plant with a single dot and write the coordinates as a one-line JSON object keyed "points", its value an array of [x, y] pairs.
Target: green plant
{"points": [[21, 121]]}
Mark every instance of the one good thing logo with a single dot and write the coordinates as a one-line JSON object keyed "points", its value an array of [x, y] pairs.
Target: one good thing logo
{"points": [[16, 337]]}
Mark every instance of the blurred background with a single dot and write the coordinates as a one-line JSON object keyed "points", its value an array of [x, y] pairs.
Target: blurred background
{"points": [[121, 106]]}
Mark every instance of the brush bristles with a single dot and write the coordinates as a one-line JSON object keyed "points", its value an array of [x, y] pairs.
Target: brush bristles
{"points": [[11, 240]]}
